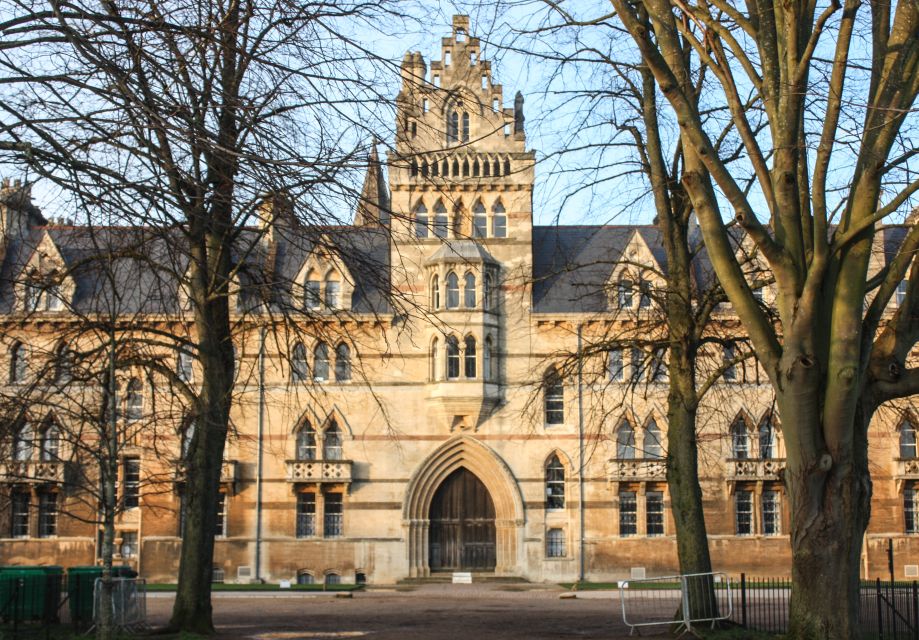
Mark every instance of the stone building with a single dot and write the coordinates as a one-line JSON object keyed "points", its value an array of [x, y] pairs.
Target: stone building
{"points": [[421, 413]]}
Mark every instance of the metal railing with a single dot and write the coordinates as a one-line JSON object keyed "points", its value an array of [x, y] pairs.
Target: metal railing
{"points": [[681, 600], [129, 603]]}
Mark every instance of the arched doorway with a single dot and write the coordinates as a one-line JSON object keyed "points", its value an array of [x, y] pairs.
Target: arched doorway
{"points": [[462, 525]]}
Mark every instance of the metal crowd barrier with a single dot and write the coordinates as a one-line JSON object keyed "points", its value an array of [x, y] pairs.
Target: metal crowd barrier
{"points": [[129, 603], [681, 600]]}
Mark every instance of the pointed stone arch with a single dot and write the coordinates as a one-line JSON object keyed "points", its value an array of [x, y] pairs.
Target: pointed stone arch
{"points": [[471, 454]]}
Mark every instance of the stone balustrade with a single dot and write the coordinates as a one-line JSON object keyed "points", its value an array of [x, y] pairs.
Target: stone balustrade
{"points": [[908, 468], [31, 471], [338, 471], [228, 472], [751, 469], [637, 469]]}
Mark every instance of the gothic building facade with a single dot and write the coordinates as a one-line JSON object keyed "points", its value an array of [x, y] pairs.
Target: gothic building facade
{"points": [[422, 413]]}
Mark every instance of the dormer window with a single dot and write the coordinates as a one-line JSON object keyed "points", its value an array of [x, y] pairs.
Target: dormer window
{"points": [[624, 294], [332, 291]]}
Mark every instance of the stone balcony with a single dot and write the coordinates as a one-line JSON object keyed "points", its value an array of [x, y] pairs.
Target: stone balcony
{"points": [[908, 468], [625, 470], [313, 471], [751, 469], [229, 472], [31, 471]]}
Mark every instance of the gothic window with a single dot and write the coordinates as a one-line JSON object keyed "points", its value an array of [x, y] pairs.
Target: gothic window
{"points": [[452, 127], [321, 362], [440, 220], [342, 363], [479, 220], [486, 168], [507, 167], [488, 359], [311, 299], [47, 514], [911, 507], [637, 359], [554, 392], [469, 291], [305, 577], [331, 443], [19, 514], [306, 442], [740, 440], [299, 368], [907, 440], [445, 168], [413, 169], [465, 127], [453, 358], [772, 514], [435, 292], [333, 578], [50, 443], [766, 438], [421, 221], [332, 291], [334, 518], [644, 294], [555, 484], [658, 365], [497, 172], [628, 513], [652, 444], [19, 363], [452, 291], [743, 513], [555, 543], [625, 442], [306, 523], [31, 297], [498, 220], [488, 292], [184, 369], [654, 513], [134, 397], [476, 168], [614, 365], [424, 163], [469, 357], [624, 294], [466, 168], [730, 370], [23, 443]]}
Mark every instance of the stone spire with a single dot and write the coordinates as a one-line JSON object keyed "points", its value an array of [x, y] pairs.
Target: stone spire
{"points": [[373, 205]]}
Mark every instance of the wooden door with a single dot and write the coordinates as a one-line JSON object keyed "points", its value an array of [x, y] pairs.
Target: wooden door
{"points": [[462, 533]]}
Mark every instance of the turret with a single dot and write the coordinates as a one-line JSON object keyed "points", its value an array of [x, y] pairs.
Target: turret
{"points": [[17, 213]]}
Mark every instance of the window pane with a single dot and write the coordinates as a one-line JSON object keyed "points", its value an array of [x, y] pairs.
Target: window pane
{"points": [[907, 440], [555, 400], [332, 294], [19, 515], [653, 449], [333, 515], [555, 543], [740, 443], [498, 217], [332, 444], [321, 362], [469, 291], [306, 443], [469, 357], [555, 484], [743, 513], [306, 517], [911, 508], [624, 294], [47, 514], [628, 513], [452, 291], [342, 363], [772, 520], [614, 365], [625, 442], [220, 528], [299, 368], [654, 506], [131, 483], [453, 358]]}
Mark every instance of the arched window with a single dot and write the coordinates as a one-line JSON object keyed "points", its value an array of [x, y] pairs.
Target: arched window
{"points": [[555, 543], [332, 291], [554, 392], [50, 443], [476, 168], [332, 578], [299, 367], [331, 443], [311, 299], [321, 362], [452, 291], [413, 169], [304, 577], [63, 364], [488, 360], [435, 359], [614, 365], [507, 167], [907, 440], [452, 127], [184, 369], [134, 400], [766, 438], [440, 220], [555, 484], [469, 357], [188, 436], [488, 292], [498, 221], [652, 446], [497, 169], [479, 219], [424, 164], [466, 168], [421, 221], [740, 440], [22, 443], [469, 291], [435, 292], [306, 442], [625, 442], [465, 127], [19, 363], [342, 363], [453, 358], [624, 293]]}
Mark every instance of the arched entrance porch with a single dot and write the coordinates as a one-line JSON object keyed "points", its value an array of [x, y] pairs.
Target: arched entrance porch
{"points": [[464, 452]]}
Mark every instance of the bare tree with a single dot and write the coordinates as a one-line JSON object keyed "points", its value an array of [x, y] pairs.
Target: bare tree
{"points": [[828, 142], [180, 117]]}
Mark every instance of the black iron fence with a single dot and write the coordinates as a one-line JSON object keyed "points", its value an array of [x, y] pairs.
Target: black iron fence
{"points": [[887, 610]]}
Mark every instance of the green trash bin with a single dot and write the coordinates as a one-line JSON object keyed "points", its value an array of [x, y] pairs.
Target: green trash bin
{"points": [[81, 582], [30, 593]]}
